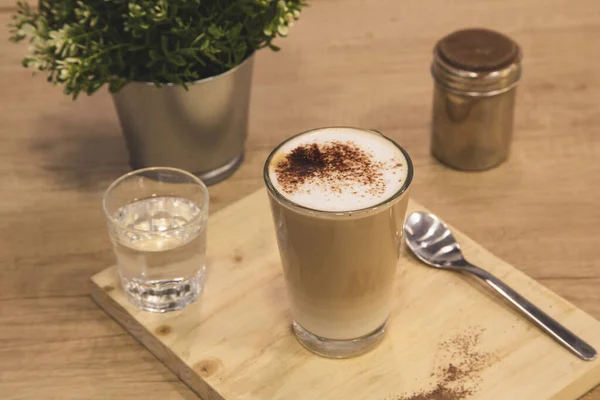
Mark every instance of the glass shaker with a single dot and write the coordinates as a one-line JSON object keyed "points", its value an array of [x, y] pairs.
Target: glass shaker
{"points": [[476, 72]]}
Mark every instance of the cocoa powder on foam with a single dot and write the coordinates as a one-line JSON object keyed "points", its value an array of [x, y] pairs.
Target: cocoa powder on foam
{"points": [[335, 164]]}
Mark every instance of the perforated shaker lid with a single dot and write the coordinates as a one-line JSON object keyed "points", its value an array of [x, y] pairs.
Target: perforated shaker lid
{"points": [[477, 60], [478, 50]]}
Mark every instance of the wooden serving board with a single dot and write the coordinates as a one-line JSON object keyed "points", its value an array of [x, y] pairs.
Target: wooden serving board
{"points": [[449, 337]]}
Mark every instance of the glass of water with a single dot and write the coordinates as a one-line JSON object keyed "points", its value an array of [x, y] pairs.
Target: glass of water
{"points": [[157, 224]]}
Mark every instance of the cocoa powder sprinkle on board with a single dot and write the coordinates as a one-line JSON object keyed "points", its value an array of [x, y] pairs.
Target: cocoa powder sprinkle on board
{"points": [[441, 392], [336, 164], [457, 376]]}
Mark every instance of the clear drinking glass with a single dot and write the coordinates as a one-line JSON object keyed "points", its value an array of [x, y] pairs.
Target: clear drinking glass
{"points": [[157, 224], [339, 266]]}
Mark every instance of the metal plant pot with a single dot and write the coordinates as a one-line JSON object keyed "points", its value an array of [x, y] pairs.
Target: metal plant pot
{"points": [[202, 130]]}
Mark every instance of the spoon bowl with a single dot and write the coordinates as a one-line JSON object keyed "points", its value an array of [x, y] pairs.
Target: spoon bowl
{"points": [[432, 241]]}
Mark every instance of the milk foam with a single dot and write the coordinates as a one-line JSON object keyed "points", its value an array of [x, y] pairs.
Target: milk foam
{"points": [[317, 195]]}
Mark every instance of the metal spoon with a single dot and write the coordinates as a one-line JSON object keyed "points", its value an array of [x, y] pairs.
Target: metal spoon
{"points": [[433, 243]]}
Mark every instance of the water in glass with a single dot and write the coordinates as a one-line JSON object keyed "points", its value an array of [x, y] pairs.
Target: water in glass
{"points": [[160, 250]]}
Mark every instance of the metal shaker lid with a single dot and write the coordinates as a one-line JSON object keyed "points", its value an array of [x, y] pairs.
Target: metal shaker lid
{"points": [[477, 62]]}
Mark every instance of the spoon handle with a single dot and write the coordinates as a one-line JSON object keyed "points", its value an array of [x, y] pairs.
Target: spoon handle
{"points": [[543, 320]]}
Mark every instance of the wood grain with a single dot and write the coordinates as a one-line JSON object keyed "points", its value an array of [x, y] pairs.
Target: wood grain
{"points": [[236, 342], [346, 62]]}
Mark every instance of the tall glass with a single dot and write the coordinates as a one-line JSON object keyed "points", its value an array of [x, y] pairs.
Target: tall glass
{"points": [[339, 267], [157, 224]]}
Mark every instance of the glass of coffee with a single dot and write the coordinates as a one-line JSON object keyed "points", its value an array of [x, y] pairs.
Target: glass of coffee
{"points": [[338, 197]]}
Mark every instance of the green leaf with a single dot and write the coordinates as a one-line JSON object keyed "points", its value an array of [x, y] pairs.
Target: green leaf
{"points": [[215, 31], [155, 55], [120, 62], [212, 58], [198, 59], [235, 31], [164, 44], [197, 39], [177, 60]]}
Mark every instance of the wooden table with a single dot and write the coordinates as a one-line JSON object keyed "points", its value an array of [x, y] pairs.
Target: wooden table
{"points": [[348, 62]]}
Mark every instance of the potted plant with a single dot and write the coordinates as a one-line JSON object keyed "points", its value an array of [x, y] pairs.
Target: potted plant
{"points": [[179, 70]]}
